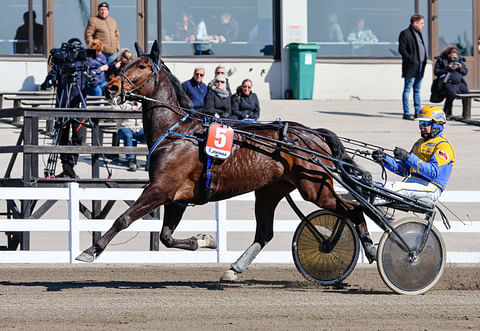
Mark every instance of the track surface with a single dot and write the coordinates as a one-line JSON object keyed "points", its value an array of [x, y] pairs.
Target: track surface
{"points": [[266, 297]]}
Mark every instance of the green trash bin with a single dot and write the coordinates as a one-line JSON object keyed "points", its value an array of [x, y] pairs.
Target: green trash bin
{"points": [[302, 69]]}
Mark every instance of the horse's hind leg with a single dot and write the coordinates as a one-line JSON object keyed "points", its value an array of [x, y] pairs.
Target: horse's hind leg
{"points": [[173, 215], [151, 197], [266, 200]]}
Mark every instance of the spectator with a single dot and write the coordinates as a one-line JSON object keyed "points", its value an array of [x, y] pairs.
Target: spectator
{"points": [[195, 88], [185, 30], [228, 29], [220, 70], [125, 56], [414, 59], [21, 36], [218, 100], [451, 69], [362, 34], [203, 32], [100, 63], [105, 28], [245, 103], [335, 32], [130, 131]]}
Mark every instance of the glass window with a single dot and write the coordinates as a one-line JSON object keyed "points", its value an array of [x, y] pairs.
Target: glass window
{"points": [[70, 20], [210, 27], [125, 13], [152, 24], [14, 27], [359, 28], [455, 26]]}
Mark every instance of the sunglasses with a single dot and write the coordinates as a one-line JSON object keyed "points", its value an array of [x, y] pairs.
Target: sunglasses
{"points": [[199, 74], [425, 123], [249, 87], [220, 81]]}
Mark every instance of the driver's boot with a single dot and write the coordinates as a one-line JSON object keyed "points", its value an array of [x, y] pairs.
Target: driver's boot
{"points": [[369, 247]]}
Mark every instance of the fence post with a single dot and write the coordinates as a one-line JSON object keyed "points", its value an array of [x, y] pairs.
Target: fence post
{"points": [[73, 218], [221, 217]]}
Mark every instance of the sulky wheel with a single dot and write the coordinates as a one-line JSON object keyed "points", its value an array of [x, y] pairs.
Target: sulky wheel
{"points": [[412, 273], [325, 250]]}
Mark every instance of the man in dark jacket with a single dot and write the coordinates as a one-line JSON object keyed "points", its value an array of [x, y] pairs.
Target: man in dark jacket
{"points": [[196, 89], [414, 59]]}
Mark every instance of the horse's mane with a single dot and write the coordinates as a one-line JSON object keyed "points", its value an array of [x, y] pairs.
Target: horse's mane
{"points": [[182, 97]]}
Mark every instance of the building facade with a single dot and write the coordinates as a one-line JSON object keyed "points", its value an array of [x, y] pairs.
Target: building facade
{"points": [[358, 39]]}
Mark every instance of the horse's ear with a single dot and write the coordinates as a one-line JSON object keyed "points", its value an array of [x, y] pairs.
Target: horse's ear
{"points": [[155, 52], [139, 49]]}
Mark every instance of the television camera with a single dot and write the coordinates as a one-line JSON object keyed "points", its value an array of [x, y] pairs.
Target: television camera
{"points": [[70, 60]]}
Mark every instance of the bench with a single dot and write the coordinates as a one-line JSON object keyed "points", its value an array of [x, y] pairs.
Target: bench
{"points": [[467, 105], [24, 93]]}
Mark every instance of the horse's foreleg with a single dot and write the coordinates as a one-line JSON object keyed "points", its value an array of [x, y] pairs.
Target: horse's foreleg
{"points": [[150, 199], [266, 200], [173, 215]]}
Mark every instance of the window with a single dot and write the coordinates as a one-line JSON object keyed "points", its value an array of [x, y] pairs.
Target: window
{"points": [[359, 28], [209, 27], [455, 26], [16, 37], [70, 20]]}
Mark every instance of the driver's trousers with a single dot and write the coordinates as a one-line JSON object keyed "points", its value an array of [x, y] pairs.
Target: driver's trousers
{"points": [[415, 188]]}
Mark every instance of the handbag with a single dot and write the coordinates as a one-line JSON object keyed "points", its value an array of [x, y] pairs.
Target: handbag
{"points": [[437, 93], [443, 81]]}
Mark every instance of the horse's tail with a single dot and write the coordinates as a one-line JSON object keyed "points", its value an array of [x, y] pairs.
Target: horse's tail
{"points": [[347, 166]]}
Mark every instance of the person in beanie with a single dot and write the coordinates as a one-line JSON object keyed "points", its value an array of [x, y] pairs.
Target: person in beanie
{"points": [[104, 28]]}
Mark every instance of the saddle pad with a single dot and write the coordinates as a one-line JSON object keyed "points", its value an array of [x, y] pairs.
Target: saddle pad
{"points": [[219, 141]]}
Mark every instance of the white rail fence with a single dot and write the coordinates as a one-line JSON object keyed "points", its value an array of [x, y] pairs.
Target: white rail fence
{"points": [[74, 225]]}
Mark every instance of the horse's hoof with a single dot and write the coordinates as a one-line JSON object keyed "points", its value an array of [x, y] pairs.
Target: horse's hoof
{"points": [[229, 276], [85, 257], [206, 241]]}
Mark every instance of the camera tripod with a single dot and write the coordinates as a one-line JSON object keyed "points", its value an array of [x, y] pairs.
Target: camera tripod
{"points": [[65, 100]]}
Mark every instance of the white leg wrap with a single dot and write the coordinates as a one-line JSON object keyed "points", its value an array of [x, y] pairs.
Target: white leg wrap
{"points": [[206, 241], [247, 257]]}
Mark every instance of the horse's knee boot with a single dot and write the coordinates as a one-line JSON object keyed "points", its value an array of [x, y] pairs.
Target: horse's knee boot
{"points": [[368, 246], [247, 257]]}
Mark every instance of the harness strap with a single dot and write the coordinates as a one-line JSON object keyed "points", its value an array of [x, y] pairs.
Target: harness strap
{"points": [[169, 131]]}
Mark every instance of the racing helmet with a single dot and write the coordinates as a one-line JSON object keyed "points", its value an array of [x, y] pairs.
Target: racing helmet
{"points": [[435, 114], [432, 113]]}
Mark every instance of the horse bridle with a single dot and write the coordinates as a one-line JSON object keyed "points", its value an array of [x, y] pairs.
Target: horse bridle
{"points": [[124, 93]]}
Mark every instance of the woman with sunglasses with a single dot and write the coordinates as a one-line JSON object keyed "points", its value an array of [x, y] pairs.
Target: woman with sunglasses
{"points": [[218, 99], [428, 165], [245, 103]]}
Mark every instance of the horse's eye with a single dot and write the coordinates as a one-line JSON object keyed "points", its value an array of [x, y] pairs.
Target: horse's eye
{"points": [[141, 66]]}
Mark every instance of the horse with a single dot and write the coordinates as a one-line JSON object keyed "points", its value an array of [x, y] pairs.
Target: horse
{"points": [[177, 164]]}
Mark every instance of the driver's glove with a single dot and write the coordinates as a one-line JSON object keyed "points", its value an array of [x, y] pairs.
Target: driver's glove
{"points": [[378, 155], [401, 154]]}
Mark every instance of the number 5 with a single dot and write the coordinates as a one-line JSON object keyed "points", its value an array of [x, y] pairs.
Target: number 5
{"points": [[220, 137]]}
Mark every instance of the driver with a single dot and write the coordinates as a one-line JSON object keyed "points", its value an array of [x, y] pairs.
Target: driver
{"points": [[428, 165]]}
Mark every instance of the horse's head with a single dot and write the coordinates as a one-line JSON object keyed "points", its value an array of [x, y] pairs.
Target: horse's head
{"points": [[134, 77]]}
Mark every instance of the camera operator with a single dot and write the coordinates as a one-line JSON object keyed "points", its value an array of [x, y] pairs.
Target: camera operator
{"points": [[72, 69], [451, 69]]}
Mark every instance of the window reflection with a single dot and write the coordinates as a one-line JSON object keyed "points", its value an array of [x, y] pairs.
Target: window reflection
{"points": [[14, 27], [358, 28], [455, 26], [209, 27], [71, 18]]}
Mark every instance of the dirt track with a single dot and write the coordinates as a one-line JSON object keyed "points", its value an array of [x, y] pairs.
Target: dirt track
{"points": [[267, 297]]}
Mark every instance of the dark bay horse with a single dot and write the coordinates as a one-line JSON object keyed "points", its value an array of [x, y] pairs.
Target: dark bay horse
{"points": [[177, 164]]}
